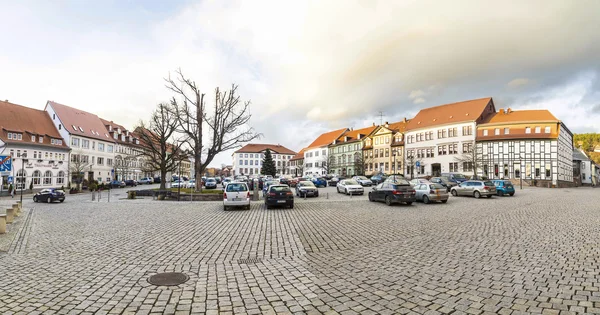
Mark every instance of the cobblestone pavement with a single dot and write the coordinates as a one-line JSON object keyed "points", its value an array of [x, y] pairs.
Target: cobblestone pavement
{"points": [[536, 252]]}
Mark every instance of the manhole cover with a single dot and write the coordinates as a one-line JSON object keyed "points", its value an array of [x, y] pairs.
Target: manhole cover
{"points": [[168, 278]]}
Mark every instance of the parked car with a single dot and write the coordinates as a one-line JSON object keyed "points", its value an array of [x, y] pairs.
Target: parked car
{"points": [[390, 193], [475, 188], [284, 180], [218, 179], [350, 187], [319, 181], [394, 178], [306, 188], [419, 181], [130, 182], [185, 178], [178, 184], [363, 181], [504, 187], [226, 180], [236, 194], [444, 181], [279, 195], [431, 192], [49, 195], [295, 181], [157, 180], [191, 184], [211, 183], [378, 179], [266, 186], [117, 184], [147, 180], [455, 177]]}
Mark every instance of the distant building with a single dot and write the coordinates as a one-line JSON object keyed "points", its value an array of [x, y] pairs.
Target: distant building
{"points": [[297, 164], [383, 149], [316, 157], [128, 161], [346, 152], [40, 155], [248, 159]]}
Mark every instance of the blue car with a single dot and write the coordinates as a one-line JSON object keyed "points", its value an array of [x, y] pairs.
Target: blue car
{"points": [[504, 187], [319, 182], [378, 179]]}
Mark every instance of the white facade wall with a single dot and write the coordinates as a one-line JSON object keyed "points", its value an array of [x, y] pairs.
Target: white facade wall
{"points": [[251, 163], [565, 155], [314, 159], [434, 143], [44, 166]]}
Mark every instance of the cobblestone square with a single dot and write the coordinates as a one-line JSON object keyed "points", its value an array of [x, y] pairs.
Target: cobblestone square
{"points": [[534, 253]]}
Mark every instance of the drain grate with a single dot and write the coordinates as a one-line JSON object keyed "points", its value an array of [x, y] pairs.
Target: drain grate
{"points": [[168, 278], [249, 261]]}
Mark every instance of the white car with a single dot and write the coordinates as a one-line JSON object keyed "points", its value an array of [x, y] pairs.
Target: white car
{"points": [[350, 187], [363, 181], [178, 184], [236, 195], [191, 184]]}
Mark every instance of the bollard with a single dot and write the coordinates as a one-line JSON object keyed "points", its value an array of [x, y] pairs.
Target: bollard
{"points": [[10, 215], [2, 223], [16, 209], [20, 206], [99, 195], [327, 196], [108, 192], [93, 195]]}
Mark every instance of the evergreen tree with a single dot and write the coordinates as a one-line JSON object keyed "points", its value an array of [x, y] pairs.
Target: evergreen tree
{"points": [[268, 165]]}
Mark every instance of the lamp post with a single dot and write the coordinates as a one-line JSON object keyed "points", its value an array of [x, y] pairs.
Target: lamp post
{"points": [[394, 155], [23, 158]]}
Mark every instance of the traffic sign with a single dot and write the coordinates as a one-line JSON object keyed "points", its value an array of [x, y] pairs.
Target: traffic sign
{"points": [[9, 179], [5, 163], [418, 164]]}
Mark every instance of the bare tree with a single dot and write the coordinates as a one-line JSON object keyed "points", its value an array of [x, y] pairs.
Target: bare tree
{"points": [[471, 159], [300, 167], [224, 124], [123, 166], [162, 151], [79, 163], [411, 161], [329, 164], [359, 164]]}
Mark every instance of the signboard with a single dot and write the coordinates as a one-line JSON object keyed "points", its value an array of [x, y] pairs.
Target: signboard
{"points": [[418, 164], [5, 163], [10, 179]]}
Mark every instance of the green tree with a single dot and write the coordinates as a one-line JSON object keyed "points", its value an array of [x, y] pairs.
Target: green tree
{"points": [[268, 165]]}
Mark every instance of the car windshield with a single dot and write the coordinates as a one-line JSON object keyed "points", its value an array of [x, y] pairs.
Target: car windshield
{"points": [[306, 184], [401, 181], [279, 188], [211, 180], [436, 186], [488, 183], [361, 177], [350, 182], [235, 187], [459, 176]]}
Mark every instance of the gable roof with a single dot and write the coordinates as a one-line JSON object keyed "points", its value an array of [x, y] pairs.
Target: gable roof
{"points": [[327, 138], [29, 122], [353, 134], [451, 113], [257, 148], [114, 126], [86, 124], [578, 155], [299, 155], [530, 115]]}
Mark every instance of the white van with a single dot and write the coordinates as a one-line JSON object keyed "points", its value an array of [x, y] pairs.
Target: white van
{"points": [[236, 194]]}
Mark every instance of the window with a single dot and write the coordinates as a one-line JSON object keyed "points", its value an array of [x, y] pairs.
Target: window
{"points": [[32, 138], [60, 179], [538, 129], [527, 130], [245, 162], [10, 136], [246, 155], [100, 161], [109, 148], [37, 177], [506, 131], [467, 130], [467, 147], [53, 116], [467, 166], [316, 153], [547, 172], [546, 129], [453, 167], [485, 132], [59, 127], [85, 144], [251, 162], [19, 136], [324, 152], [376, 153], [101, 147], [387, 152], [376, 140], [41, 139], [75, 142], [47, 178], [439, 134], [387, 140], [109, 162], [497, 131], [74, 128]]}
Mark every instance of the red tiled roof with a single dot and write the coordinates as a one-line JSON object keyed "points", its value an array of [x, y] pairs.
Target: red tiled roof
{"points": [[451, 113], [517, 116], [257, 148], [353, 134], [115, 126], [327, 138], [299, 155], [29, 122], [91, 124]]}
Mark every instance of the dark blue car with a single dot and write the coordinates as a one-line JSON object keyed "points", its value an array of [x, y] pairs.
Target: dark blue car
{"points": [[378, 179], [504, 187], [319, 182]]}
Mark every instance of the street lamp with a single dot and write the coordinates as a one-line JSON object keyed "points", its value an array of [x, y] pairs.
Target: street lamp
{"points": [[23, 156]]}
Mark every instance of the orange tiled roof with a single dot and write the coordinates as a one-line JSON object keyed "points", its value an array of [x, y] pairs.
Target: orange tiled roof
{"points": [[327, 138], [516, 116], [353, 134], [451, 113], [29, 122], [399, 126], [132, 135], [299, 155], [257, 148]]}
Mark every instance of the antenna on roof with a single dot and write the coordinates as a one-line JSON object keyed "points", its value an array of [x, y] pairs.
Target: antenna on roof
{"points": [[380, 118]]}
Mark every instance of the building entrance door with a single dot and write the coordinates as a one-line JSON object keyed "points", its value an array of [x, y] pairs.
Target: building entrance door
{"points": [[436, 169]]}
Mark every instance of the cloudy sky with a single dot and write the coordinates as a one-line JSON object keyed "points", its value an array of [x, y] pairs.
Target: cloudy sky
{"points": [[307, 66]]}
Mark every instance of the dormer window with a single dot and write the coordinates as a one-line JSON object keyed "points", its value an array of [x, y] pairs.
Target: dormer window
{"points": [[41, 139], [81, 129], [32, 138], [74, 128]]}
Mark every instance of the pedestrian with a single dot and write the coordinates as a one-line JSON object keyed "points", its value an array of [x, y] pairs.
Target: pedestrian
{"points": [[12, 192]]}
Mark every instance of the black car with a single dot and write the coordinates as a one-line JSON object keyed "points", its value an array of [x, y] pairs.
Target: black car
{"points": [[306, 188], [284, 180], [130, 182], [378, 179], [279, 195], [49, 195], [157, 180], [335, 180], [400, 192]]}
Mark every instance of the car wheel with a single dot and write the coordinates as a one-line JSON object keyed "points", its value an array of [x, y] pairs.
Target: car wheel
{"points": [[225, 208], [444, 201], [512, 194], [62, 200], [409, 203], [346, 192], [35, 199], [338, 189], [48, 200], [499, 193], [388, 201], [425, 199], [248, 207], [370, 197], [489, 196], [292, 206], [454, 193], [477, 195]]}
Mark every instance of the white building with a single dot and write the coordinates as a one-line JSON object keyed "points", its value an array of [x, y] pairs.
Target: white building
{"points": [[532, 145], [39, 154], [438, 136], [585, 167], [316, 155], [128, 161], [88, 139], [248, 159]]}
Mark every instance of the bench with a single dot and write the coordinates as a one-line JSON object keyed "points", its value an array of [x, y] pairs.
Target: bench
{"points": [[2, 223]]}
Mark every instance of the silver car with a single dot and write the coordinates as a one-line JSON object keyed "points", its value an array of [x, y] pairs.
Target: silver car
{"points": [[418, 181], [363, 181], [475, 188], [350, 187], [431, 192]]}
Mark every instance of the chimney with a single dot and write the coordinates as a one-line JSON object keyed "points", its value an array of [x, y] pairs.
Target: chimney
{"points": [[501, 111], [404, 120], [386, 124], [373, 124], [509, 110]]}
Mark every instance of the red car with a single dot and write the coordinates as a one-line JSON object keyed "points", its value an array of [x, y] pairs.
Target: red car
{"points": [[294, 181]]}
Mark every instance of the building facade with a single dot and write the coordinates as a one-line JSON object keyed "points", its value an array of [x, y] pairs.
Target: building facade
{"points": [[128, 160], [383, 149], [40, 156], [297, 164], [584, 171], [92, 148], [248, 159], [316, 155], [439, 138], [345, 152], [532, 145]]}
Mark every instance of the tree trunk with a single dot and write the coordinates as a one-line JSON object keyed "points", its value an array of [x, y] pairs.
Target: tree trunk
{"points": [[163, 178]]}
